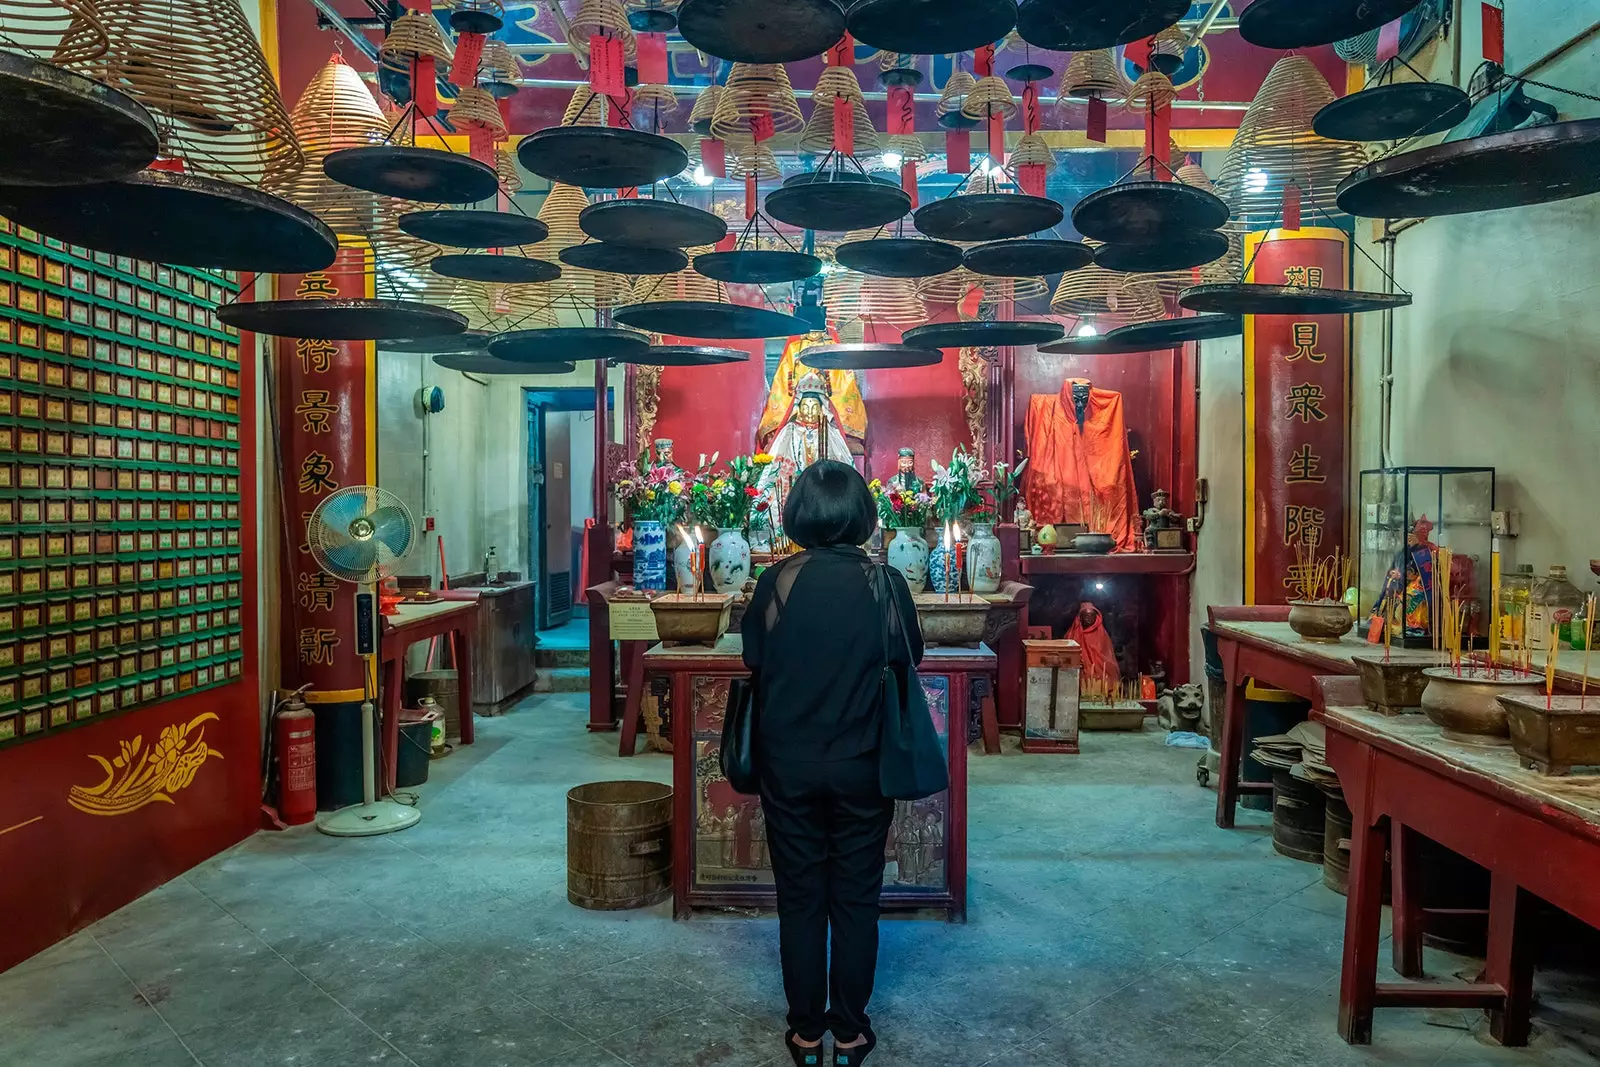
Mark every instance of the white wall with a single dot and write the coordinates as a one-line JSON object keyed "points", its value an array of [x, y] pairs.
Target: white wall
{"points": [[1219, 557]]}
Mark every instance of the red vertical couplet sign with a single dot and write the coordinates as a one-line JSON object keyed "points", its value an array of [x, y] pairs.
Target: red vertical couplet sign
{"points": [[464, 67], [424, 85], [1030, 178], [325, 412], [902, 111], [958, 151], [714, 158], [1297, 414], [1096, 128], [983, 61], [997, 139], [1494, 33], [606, 75], [1158, 139], [844, 126], [651, 55]]}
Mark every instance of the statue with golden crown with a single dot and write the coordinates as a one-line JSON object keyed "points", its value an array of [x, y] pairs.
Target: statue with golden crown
{"points": [[843, 395], [809, 433]]}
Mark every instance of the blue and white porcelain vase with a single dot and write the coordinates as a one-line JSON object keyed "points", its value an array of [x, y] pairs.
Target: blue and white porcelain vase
{"points": [[729, 559], [650, 555], [908, 554], [983, 559], [944, 569]]}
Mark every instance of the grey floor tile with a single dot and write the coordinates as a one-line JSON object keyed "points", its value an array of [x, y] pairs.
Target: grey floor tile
{"points": [[510, 1033], [1103, 1038], [310, 1033], [168, 1053], [608, 1001], [697, 1038]]}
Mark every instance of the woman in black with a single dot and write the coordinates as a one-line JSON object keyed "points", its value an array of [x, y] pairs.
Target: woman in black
{"points": [[813, 635]]}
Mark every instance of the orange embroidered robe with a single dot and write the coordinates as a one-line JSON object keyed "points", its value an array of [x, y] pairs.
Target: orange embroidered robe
{"points": [[1081, 474], [844, 390]]}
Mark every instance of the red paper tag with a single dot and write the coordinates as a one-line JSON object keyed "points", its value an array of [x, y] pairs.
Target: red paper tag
{"points": [[464, 68], [620, 111], [997, 139], [958, 152], [844, 127], [1389, 41], [714, 158], [169, 166], [652, 58], [605, 65], [1291, 207], [1030, 178], [630, 192], [729, 242], [902, 110], [1096, 130], [1030, 108], [761, 127], [842, 54], [424, 85], [1138, 52], [1161, 138], [908, 180], [983, 61], [480, 143], [749, 196], [504, 104], [1494, 34]]}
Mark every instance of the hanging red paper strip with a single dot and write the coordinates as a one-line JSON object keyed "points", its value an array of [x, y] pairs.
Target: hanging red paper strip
{"points": [[620, 111], [997, 139], [842, 54], [729, 242], [464, 67], [844, 127], [958, 152], [504, 104], [651, 57], [1389, 41], [1096, 130], [902, 110], [480, 142], [170, 166], [1030, 108], [983, 61], [761, 128], [605, 65], [1157, 139], [908, 180], [1030, 178], [749, 196], [424, 85], [714, 158], [630, 192], [1291, 207], [1494, 33]]}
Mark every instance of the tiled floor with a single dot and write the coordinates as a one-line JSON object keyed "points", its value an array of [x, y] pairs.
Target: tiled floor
{"points": [[1111, 924]]}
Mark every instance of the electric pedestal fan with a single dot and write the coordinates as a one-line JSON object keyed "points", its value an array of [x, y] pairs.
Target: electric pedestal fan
{"points": [[358, 535]]}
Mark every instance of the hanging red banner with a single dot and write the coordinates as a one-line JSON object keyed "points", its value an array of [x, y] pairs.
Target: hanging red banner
{"points": [[630, 192], [842, 54], [504, 106], [750, 196], [761, 128], [844, 126], [464, 67], [983, 61], [714, 158], [958, 152], [997, 139], [1096, 129], [1030, 178], [908, 181], [902, 111], [480, 142], [1297, 414], [606, 74], [1030, 108], [1494, 34], [1291, 206], [424, 85], [1158, 139], [651, 58]]}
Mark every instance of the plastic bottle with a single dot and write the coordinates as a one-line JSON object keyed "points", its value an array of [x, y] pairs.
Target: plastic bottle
{"points": [[1515, 591], [491, 566], [1553, 604]]}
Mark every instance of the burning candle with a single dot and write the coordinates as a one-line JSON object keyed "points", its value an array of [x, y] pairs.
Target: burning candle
{"points": [[948, 555], [699, 560]]}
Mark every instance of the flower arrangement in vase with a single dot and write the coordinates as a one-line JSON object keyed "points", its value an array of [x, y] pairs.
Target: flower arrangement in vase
{"points": [[731, 502], [1008, 486], [955, 494], [651, 501], [906, 513]]}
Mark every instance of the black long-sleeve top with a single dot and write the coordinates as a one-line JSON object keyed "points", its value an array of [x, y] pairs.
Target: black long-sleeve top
{"points": [[813, 634]]}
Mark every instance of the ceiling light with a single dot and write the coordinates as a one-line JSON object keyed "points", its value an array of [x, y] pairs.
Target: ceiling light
{"points": [[700, 175], [1256, 180], [1086, 330]]}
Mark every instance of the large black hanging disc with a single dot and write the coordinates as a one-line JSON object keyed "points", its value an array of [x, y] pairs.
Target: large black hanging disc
{"points": [[651, 223], [761, 31], [1178, 250], [483, 363], [1025, 258], [474, 19], [979, 332], [757, 266], [710, 319], [1168, 333], [181, 219], [1536, 165], [1392, 112], [469, 341], [1244, 298], [474, 229], [343, 320], [565, 344], [870, 356], [683, 356], [652, 20], [931, 27], [502, 270], [599, 157], [899, 257], [624, 259], [427, 175], [1297, 24], [66, 129], [837, 200], [986, 216], [1104, 344], [1084, 25], [1146, 211], [910, 77], [958, 120]]}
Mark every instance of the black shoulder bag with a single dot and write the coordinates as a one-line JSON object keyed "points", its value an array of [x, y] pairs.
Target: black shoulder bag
{"points": [[912, 761], [739, 735]]}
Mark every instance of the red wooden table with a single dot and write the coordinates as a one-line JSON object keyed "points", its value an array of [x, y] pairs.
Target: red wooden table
{"points": [[1538, 837], [419, 622]]}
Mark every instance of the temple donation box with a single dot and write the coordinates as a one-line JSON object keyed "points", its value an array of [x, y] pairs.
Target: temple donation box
{"points": [[1050, 699]]}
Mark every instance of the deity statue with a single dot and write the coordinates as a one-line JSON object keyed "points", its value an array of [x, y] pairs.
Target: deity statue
{"points": [[1162, 525], [663, 457], [808, 434], [843, 393], [905, 477]]}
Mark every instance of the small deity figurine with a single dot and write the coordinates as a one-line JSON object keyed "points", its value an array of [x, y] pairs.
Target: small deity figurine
{"points": [[663, 457], [905, 477], [1162, 526]]}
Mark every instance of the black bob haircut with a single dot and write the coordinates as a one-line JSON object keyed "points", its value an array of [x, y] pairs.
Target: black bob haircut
{"points": [[830, 504]]}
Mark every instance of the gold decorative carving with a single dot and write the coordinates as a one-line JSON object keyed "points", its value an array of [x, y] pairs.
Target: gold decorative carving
{"points": [[646, 403], [975, 394], [137, 775]]}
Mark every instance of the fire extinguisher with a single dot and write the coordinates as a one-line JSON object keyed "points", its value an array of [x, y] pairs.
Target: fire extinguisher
{"points": [[294, 739]]}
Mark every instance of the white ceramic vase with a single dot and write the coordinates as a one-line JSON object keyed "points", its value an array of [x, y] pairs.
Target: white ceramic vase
{"points": [[908, 554], [983, 559], [729, 558], [683, 566]]}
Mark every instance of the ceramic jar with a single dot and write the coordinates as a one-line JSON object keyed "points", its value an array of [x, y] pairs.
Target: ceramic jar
{"points": [[650, 555], [683, 565], [729, 559], [983, 559], [944, 569], [1466, 706], [908, 554]]}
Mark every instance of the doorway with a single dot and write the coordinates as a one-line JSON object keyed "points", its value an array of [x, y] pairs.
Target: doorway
{"points": [[560, 497]]}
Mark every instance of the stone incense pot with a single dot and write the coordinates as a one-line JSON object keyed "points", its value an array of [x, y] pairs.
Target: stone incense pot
{"points": [[1320, 620], [1466, 705], [1393, 686]]}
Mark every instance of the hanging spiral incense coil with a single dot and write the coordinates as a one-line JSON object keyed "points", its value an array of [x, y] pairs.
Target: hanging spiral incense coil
{"points": [[835, 83], [1191, 174], [1031, 148], [67, 32], [841, 295], [950, 287], [755, 89], [685, 284], [505, 167], [498, 63], [1153, 89], [600, 18], [476, 107], [1090, 76], [955, 92], [196, 65], [1275, 146], [997, 291], [656, 103], [908, 146], [990, 96], [560, 211], [896, 60], [1171, 42], [817, 135], [746, 158], [705, 106], [584, 108], [1090, 290], [891, 302], [414, 34]]}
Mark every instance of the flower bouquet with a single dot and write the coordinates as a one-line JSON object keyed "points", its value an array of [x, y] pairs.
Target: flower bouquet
{"points": [[900, 510]]}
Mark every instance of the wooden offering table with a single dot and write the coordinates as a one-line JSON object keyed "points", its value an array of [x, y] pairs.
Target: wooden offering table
{"points": [[719, 837], [1538, 836], [419, 622]]}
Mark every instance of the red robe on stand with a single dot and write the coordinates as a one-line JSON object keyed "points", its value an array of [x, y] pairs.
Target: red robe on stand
{"points": [[1099, 657], [1069, 461]]}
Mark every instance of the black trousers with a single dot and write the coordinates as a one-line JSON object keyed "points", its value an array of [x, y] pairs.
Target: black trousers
{"points": [[827, 825]]}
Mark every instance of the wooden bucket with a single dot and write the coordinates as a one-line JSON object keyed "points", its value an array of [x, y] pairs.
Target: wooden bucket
{"points": [[444, 688], [619, 845], [1298, 817], [1336, 844]]}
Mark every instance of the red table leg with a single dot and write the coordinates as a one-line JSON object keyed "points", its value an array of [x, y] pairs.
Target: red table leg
{"points": [[1363, 911], [991, 725], [389, 703], [1233, 724], [1510, 962], [464, 681], [633, 677], [1406, 914]]}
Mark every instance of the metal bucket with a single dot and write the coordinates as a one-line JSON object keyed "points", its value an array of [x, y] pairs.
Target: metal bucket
{"points": [[619, 845], [1298, 815], [1336, 843], [444, 688]]}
